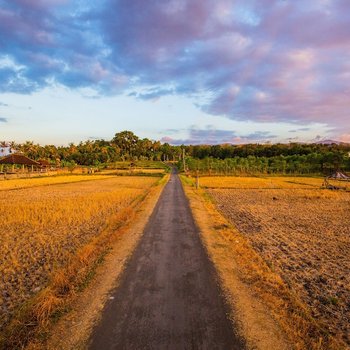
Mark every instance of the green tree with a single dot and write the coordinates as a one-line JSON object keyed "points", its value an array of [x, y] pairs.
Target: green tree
{"points": [[127, 142]]}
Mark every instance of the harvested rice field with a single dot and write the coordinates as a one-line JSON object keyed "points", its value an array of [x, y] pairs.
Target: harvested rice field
{"points": [[260, 182], [302, 232], [14, 184], [44, 222]]}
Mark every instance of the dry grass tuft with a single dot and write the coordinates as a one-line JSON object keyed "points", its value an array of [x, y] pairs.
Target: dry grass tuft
{"points": [[45, 305]]}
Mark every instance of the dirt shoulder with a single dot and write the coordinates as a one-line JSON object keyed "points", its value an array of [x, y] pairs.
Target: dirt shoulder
{"points": [[73, 330], [228, 251]]}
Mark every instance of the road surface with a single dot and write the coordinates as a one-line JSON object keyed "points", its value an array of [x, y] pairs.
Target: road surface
{"points": [[168, 296]]}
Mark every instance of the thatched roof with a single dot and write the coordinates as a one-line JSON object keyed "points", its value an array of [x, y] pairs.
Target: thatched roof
{"points": [[339, 176], [18, 159]]}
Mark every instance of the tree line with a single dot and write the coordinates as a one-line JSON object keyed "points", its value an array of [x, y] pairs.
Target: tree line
{"points": [[125, 146], [293, 158], [250, 158], [313, 163]]}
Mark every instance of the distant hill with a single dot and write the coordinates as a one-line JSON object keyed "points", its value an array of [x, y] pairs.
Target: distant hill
{"points": [[331, 142]]}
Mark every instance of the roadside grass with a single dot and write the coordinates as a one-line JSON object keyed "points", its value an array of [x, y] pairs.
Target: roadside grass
{"points": [[270, 314], [74, 268]]}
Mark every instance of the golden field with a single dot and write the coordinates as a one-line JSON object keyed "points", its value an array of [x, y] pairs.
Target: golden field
{"points": [[45, 222], [136, 171], [47, 180], [302, 233], [260, 182]]}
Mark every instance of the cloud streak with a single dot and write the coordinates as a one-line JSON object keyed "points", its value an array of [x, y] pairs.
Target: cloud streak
{"points": [[3, 120], [212, 136], [243, 60]]}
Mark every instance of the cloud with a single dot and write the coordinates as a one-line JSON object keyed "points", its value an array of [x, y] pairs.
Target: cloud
{"points": [[50, 42], [3, 120], [242, 60], [259, 136], [262, 67], [345, 138], [203, 136], [299, 130], [151, 94], [212, 136]]}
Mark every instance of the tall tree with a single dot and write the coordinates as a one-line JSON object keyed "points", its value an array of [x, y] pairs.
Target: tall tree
{"points": [[126, 141]]}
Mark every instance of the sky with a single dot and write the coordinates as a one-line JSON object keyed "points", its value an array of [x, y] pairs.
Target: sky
{"points": [[179, 71]]}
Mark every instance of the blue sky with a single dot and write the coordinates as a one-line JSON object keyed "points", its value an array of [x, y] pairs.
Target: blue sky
{"points": [[182, 71]]}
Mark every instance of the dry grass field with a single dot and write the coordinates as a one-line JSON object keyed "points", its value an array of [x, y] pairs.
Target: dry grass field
{"points": [[44, 222], [137, 171], [45, 181], [302, 232], [230, 182]]}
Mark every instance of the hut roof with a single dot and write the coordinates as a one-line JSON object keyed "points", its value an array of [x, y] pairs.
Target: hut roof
{"points": [[339, 176], [18, 159]]}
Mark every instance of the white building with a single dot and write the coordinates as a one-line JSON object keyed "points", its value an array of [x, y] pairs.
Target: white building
{"points": [[5, 151]]}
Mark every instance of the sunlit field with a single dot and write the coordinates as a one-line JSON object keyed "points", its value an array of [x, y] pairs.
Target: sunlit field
{"points": [[260, 182], [47, 180], [302, 232], [137, 171], [44, 221]]}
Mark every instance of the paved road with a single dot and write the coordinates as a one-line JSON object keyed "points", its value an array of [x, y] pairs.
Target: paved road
{"points": [[168, 297]]}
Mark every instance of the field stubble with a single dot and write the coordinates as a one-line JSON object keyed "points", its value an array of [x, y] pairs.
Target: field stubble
{"points": [[302, 233], [42, 227], [16, 184]]}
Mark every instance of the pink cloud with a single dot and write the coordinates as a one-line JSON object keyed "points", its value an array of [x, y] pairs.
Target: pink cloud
{"points": [[261, 60], [344, 138]]}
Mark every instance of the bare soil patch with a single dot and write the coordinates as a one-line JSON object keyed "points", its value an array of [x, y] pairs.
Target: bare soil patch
{"points": [[303, 235]]}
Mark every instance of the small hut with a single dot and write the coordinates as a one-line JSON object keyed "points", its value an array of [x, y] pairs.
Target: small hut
{"points": [[18, 159], [334, 181]]}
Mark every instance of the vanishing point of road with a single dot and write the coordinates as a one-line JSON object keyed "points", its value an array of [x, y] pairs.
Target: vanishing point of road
{"points": [[168, 296]]}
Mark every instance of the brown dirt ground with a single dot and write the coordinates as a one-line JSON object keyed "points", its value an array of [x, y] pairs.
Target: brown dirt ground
{"points": [[304, 236]]}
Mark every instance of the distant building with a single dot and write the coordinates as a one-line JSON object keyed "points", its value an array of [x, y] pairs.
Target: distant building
{"points": [[6, 150], [14, 160]]}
